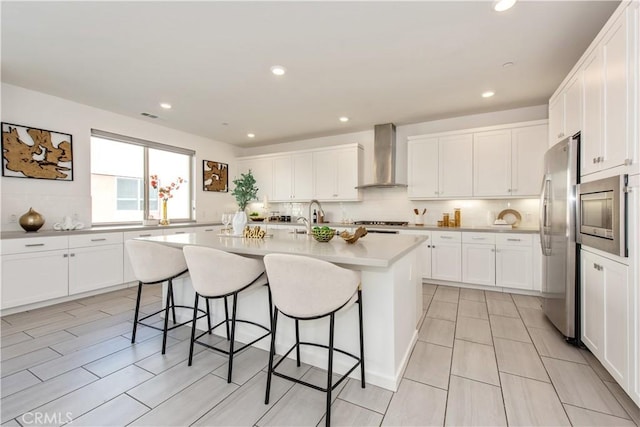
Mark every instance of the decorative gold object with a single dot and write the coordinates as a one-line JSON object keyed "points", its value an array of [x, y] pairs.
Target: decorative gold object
{"points": [[254, 232], [165, 218], [456, 217], [352, 238], [31, 221]]}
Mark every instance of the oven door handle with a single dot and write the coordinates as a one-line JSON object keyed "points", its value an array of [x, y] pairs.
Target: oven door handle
{"points": [[544, 216]]}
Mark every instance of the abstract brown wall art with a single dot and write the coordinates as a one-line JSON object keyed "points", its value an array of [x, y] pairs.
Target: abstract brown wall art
{"points": [[215, 176], [36, 153]]}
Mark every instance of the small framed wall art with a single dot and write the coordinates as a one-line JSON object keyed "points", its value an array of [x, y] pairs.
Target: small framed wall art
{"points": [[215, 176], [29, 152]]}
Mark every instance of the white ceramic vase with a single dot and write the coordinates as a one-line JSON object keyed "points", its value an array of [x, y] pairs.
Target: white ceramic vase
{"points": [[239, 222]]}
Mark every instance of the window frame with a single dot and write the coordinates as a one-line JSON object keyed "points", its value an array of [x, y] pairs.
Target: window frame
{"points": [[146, 145]]}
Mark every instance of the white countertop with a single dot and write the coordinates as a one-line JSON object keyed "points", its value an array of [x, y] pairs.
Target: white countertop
{"points": [[373, 250]]}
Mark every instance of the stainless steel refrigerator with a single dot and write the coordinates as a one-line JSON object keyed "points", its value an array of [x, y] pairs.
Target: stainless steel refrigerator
{"points": [[558, 236]]}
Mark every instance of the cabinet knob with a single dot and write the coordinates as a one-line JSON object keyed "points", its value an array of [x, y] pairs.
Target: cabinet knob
{"points": [[433, 246], [72, 255], [595, 160], [628, 162], [65, 255], [493, 250], [601, 159], [508, 190]]}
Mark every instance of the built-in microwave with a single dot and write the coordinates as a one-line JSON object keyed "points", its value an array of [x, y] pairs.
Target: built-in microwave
{"points": [[601, 211]]}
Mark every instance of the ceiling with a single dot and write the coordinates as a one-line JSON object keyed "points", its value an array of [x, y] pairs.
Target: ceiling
{"points": [[375, 62]]}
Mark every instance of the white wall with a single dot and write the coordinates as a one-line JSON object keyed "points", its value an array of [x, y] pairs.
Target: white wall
{"points": [[54, 199]]}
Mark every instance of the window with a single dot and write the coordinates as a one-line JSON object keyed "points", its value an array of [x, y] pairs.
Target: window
{"points": [[120, 170]]}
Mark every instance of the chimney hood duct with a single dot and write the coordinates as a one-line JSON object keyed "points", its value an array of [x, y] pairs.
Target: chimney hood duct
{"points": [[384, 157]]}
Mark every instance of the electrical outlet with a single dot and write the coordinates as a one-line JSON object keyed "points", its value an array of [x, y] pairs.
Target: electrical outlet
{"points": [[13, 218]]}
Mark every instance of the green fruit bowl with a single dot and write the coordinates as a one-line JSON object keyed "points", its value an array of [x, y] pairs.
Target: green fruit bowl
{"points": [[323, 234]]}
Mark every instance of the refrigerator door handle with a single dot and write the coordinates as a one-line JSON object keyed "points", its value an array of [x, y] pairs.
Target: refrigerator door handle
{"points": [[544, 215]]}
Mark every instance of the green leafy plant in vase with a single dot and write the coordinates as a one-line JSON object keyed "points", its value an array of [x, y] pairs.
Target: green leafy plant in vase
{"points": [[245, 191]]}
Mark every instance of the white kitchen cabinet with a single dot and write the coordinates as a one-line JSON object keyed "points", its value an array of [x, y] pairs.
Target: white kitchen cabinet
{"points": [[609, 109], [455, 166], [605, 314], [514, 261], [425, 252], [337, 172], [95, 261], [565, 112], [479, 258], [528, 145], [262, 170], [509, 162], [446, 255], [293, 178], [492, 163], [127, 269], [441, 167], [179, 230], [34, 270], [422, 168]]}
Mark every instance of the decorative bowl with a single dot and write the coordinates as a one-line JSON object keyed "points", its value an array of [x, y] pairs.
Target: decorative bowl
{"points": [[352, 238], [323, 234]]}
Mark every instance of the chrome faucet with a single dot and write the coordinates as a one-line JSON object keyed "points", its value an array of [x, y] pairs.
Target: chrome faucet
{"points": [[320, 210], [306, 223]]}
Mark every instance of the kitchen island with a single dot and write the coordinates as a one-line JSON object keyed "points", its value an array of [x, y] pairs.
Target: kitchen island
{"points": [[392, 297]]}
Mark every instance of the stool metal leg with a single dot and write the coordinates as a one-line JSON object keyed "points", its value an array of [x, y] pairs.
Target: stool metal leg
{"points": [[166, 316], [233, 334], [206, 300], [173, 306], [135, 316], [193, 329], [272, 351], [298, 342], [226, 316], [330, 371], [361, 338]]}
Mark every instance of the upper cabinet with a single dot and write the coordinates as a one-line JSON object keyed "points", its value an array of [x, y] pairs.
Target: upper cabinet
{"points": [[440, 167], [599, 98], [565, 112], [337, 172], [328, 174], [500, 161]]}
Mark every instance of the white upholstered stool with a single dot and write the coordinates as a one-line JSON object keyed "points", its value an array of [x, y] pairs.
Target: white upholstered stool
{"points": [[152, 264], [218, 274], [306, 288]]}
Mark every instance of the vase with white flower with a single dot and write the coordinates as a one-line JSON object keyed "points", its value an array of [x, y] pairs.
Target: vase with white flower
{"points": [[164, 194], [245, 191]]}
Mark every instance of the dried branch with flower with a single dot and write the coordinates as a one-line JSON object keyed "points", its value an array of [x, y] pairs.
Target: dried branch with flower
{"points": [[165, 193]]}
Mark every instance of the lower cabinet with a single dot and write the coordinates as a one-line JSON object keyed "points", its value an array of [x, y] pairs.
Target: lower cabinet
{"points": [[514, 261], [478, 264], [605, 316], [33, 277], [425, 253], [446, 255], [95, 261]]}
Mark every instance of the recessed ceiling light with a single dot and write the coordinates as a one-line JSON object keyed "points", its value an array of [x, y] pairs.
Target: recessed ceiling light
{"points": [[344, 119], [165, 105], [502, 5], [488, 94], [251, 135], [278, 70]]}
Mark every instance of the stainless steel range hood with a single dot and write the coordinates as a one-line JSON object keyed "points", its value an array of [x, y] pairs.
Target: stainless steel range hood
{"points": [[384, 157]]}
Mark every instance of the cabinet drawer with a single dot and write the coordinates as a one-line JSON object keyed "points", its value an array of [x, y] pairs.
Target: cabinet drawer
{"points": [[484, 238], [34, 244], [446, 236], [142, 233], [514, 239], [99, 239]]}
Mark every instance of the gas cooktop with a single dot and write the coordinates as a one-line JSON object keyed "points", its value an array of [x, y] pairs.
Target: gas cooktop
{"points": [[400, 223]]}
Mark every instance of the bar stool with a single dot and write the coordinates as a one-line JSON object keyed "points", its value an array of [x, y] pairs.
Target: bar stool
{"points": [[152, 264], [217, 274], [305, 288]]}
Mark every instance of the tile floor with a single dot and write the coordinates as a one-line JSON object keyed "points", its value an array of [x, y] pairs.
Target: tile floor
{"points": [[482, 358]]}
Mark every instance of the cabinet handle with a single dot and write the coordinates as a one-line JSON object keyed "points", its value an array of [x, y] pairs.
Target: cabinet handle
{"points": [[33, 245], [493, 250], [433, 246], [65, 255], [209, 229], [478, 238], [597, 266], [508, 190], [628, 162], [98, 240], [144, 235], [513, 240], [446, 237], [601, 159], [72, 255], [595, 160], [179, 232]]}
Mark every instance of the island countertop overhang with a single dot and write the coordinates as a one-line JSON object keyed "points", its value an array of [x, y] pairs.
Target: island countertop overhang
{"points": [[374, 250]]}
